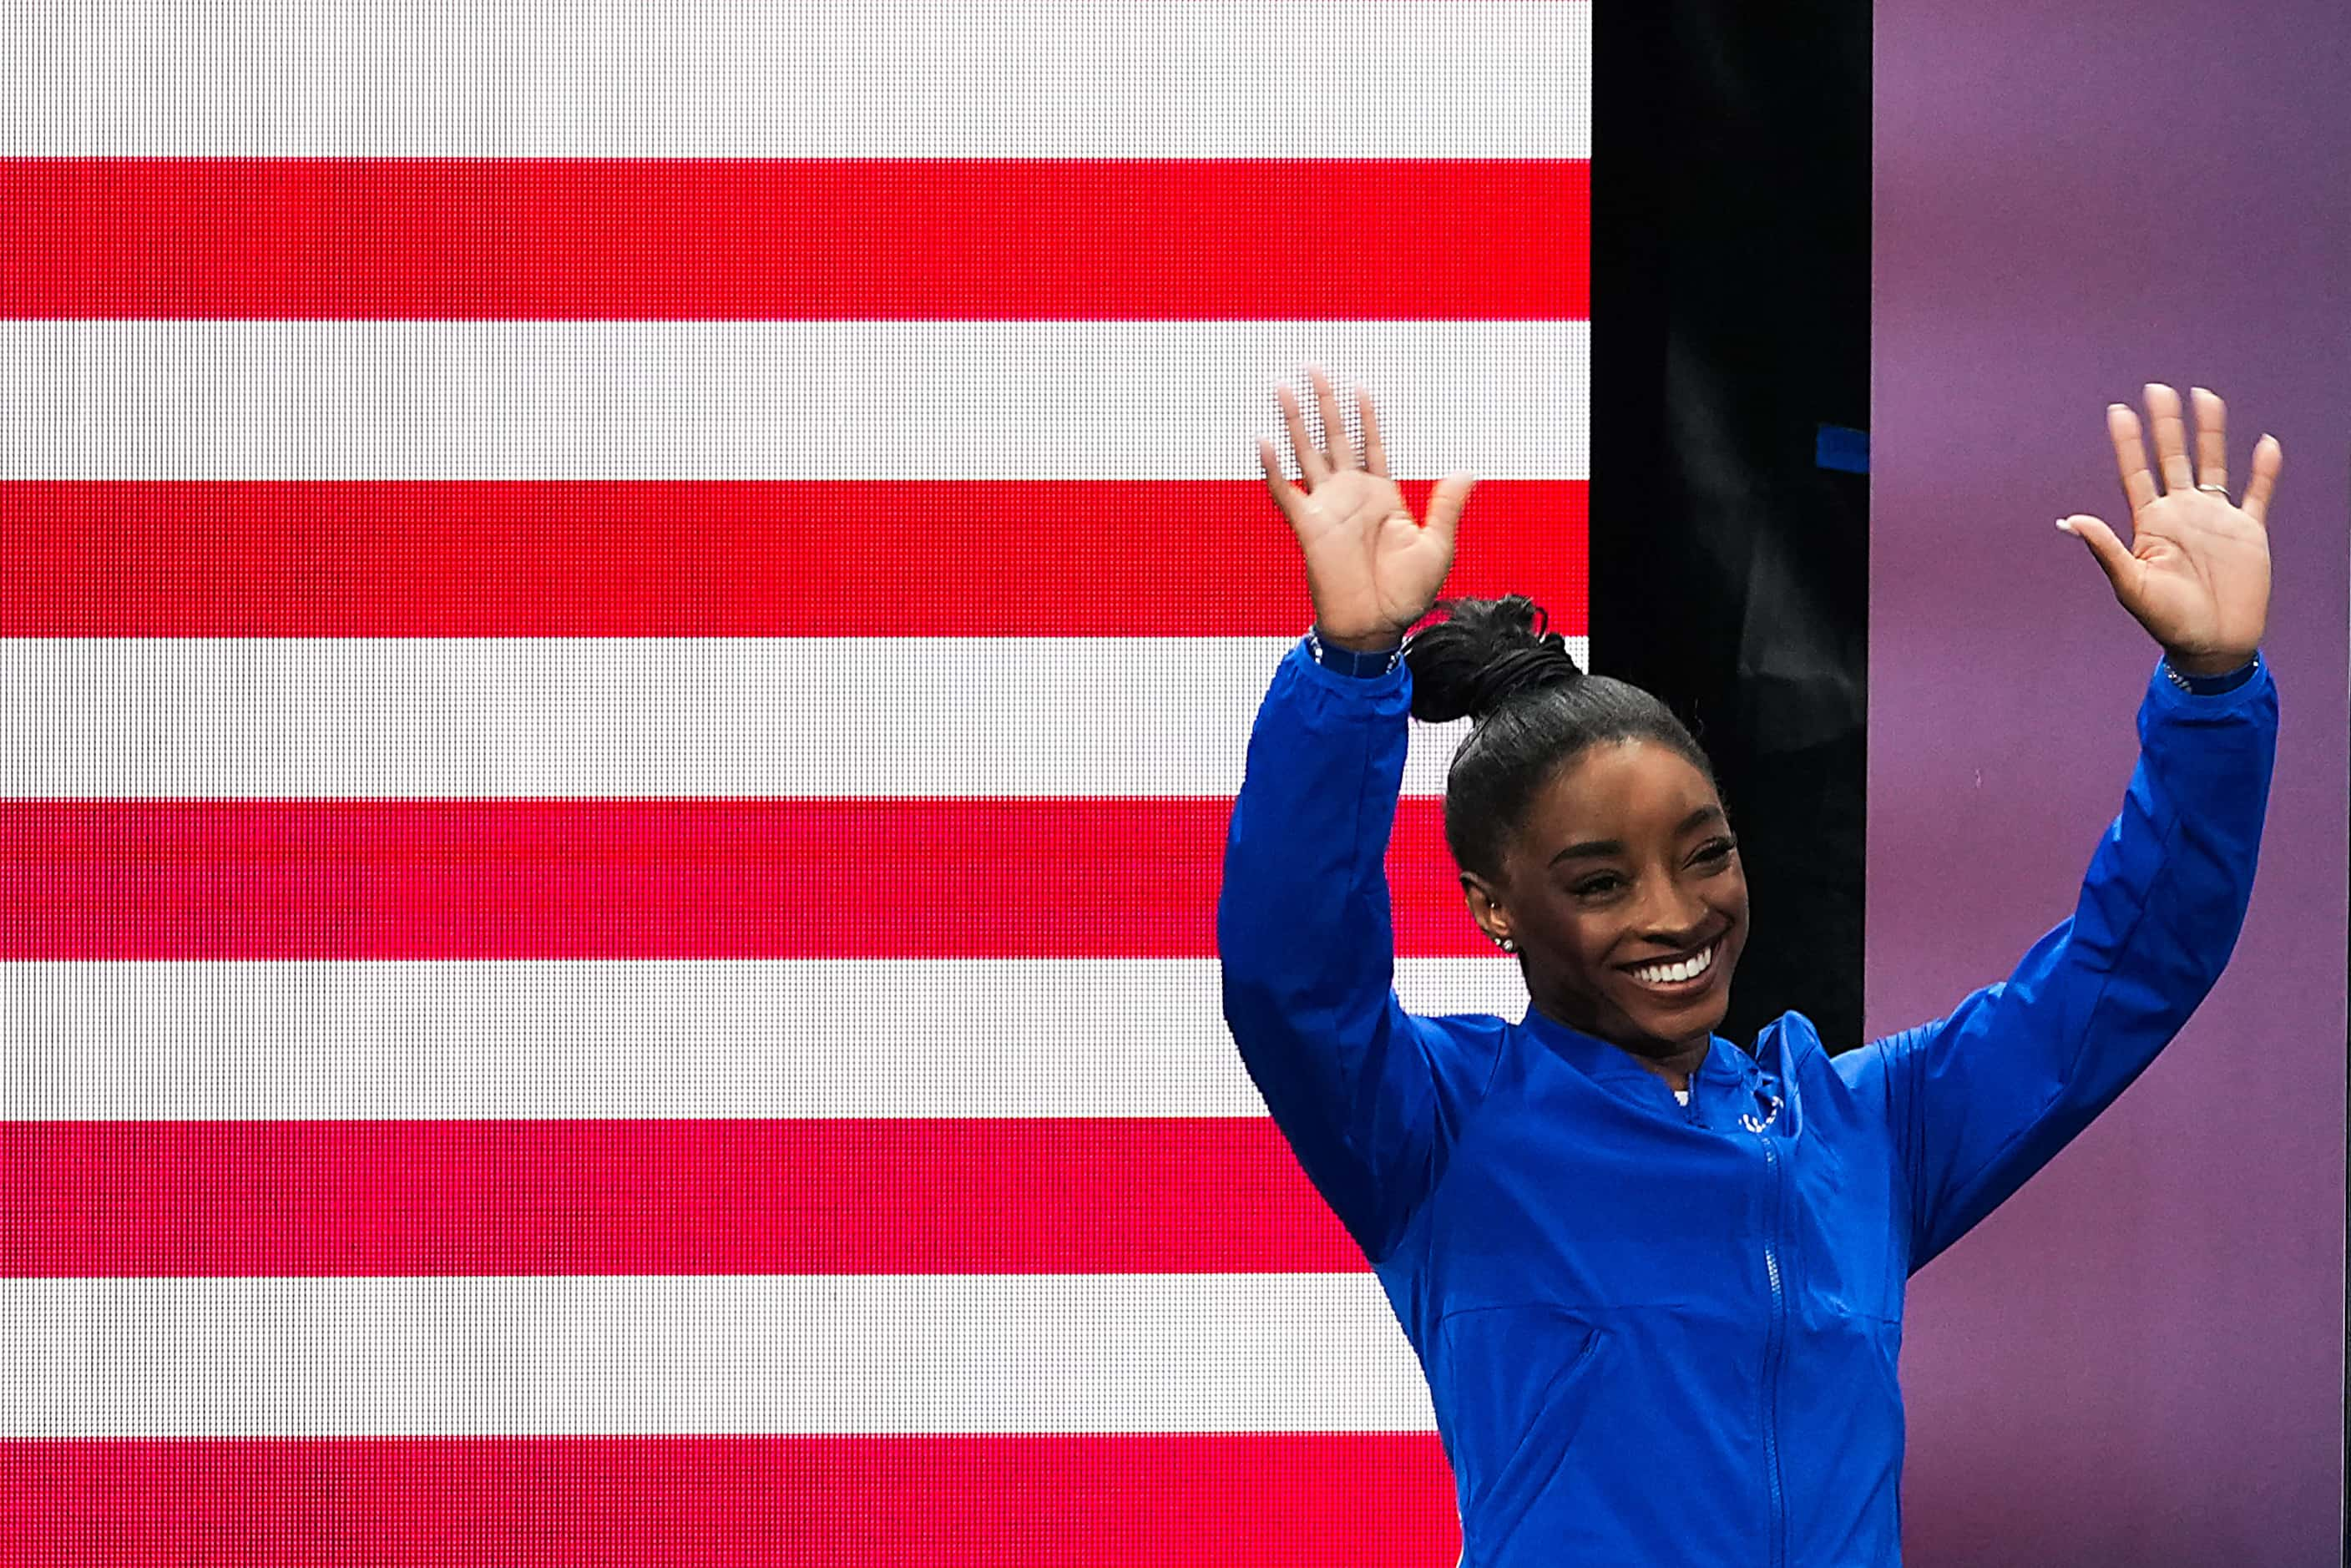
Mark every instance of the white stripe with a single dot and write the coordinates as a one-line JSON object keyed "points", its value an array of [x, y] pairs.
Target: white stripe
{"points": [[592, 1039], [633, 717], [869, 78], [772, 399], [530, 1356]]}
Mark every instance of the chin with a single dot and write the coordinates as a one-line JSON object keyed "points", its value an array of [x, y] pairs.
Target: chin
{"points": [[1673, 1022]]}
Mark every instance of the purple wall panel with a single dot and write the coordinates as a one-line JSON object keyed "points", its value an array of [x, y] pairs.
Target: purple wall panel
{"points": [[2139, 1359]]}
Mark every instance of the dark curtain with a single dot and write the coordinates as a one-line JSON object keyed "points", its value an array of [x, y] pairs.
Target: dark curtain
{"points": [[1731, 395]]}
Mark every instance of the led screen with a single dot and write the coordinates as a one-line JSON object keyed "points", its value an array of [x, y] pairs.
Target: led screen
{"points": [[631, 634]]}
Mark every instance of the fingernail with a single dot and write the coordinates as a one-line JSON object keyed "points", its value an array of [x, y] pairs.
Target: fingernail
{"points": [[2063, 527]]}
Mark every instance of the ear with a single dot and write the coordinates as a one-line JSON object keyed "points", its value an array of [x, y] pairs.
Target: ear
{"points": [[1485, 901]]}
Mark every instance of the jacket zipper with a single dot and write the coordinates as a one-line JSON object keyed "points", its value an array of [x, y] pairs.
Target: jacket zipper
{"points": [[1773, 1342]]}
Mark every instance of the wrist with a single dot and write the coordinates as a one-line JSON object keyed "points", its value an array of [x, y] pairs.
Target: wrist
{"points": [[1360, 642], [1346, 660], [2211, 683], [2205, 664]]}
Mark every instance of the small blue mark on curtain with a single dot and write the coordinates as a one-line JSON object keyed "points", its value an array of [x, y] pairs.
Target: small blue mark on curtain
{"points": [[1841, 447]]}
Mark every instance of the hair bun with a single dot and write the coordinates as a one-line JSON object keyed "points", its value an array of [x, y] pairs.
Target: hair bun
{"points": [[1486, 651]]}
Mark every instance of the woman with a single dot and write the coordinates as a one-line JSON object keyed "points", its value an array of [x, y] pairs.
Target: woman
{"points": [[1654, 1279]]}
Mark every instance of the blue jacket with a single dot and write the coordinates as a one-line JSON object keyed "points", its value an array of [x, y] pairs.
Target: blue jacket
{"points": [[1652, 1333]]}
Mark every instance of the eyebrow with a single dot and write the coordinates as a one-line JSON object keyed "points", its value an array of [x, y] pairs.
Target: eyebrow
{"points": [[1594, 848]]}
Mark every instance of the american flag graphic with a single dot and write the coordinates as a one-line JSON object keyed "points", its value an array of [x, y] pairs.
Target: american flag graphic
{"points": [[630, 629]]}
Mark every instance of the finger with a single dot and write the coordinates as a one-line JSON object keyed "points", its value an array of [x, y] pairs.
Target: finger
{"points": [[2211, 438], [1375, 457], [2119, 565], [1285, 493], [2268, 458], [2130, 456], [2171, 438], [1310, 466], [1445, 505], [1334, 429]]}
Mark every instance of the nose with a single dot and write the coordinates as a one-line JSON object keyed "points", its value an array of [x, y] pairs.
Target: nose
{"points": [[1672, 914]]}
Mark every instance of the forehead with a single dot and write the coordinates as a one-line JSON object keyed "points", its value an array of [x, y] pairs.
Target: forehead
{"points": [[1634, 790]]}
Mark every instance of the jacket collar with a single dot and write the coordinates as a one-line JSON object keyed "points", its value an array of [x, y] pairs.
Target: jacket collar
{"points": [[1725, 1063]]}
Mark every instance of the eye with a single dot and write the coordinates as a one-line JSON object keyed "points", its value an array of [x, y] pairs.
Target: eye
{"points": [[1717, 850], [1594, 887]]}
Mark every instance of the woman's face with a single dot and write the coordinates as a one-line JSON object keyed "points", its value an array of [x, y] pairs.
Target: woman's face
{"points": [[1624, 861]]}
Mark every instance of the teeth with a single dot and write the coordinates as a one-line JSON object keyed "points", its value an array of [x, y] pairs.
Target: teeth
{"points": [[1667, 974]]}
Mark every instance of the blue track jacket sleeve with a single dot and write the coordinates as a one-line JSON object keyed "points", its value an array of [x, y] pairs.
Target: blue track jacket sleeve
{"points": [[1984, 1098], [1365, 1093]]}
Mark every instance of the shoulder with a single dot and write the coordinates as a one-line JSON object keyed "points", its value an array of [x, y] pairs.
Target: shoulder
{"points": [[1797, 1050], [1465, 1052], [1788, 1042]]}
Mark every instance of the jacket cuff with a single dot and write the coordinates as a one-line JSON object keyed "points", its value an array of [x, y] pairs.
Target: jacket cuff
{"points": [[1378, 684], [2212, 686], [1347, 661], [2210, 694]]}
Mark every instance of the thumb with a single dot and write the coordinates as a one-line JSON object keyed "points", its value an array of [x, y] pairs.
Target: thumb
{"points": [[1445, 505], [2109, 553]]}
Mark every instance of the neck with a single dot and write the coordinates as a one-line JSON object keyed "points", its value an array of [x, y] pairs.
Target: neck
{"points": [[1675, 1070], [1672, 1060]]}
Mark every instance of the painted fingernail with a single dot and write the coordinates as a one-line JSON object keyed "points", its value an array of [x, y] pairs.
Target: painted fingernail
{"points": [[2063, 527]]}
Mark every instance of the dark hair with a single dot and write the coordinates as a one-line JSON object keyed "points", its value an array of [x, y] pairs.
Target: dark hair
{"points": [[1533, 708]]}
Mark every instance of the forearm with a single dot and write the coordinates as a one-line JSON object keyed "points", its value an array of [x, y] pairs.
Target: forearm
{"points": [[1305, 942], [1990, 1093], [1302, 922], [2172, 882]]}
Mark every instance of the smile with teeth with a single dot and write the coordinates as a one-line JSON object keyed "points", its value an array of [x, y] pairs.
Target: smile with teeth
{"points": [[1679, 973]]}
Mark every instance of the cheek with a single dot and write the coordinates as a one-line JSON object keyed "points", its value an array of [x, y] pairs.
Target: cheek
{"points": [[1733, 903], [1587, 943]]}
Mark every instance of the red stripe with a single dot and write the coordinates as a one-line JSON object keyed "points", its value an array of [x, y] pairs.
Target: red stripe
{"points": [[722, 558], [701, 239], [1093, 877], [1013, 1195], [1047, 1500]]}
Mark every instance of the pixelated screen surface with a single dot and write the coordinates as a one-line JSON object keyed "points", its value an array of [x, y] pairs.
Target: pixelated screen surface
{"points": [[632, 632]]}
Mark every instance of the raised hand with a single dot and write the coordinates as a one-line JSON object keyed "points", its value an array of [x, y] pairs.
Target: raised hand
{"points": [[2196, 571], [1371, 570]]}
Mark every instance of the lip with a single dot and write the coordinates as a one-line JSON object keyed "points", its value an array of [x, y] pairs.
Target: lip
{"points": [[1713, 941]]}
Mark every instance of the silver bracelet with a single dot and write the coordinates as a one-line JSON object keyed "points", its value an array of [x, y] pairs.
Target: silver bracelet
{"points": [[1347, 662], [2199, 685]]}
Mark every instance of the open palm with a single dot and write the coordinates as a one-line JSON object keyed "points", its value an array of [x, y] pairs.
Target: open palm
{"points": [[1371, 570], [2196, 571]]}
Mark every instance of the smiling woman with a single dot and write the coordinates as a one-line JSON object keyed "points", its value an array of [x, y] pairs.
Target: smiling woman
{"points": [[1590, 838], [1656, 1278]]}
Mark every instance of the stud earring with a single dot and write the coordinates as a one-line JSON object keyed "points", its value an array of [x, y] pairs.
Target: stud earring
{"points": [[1506, 944]]}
